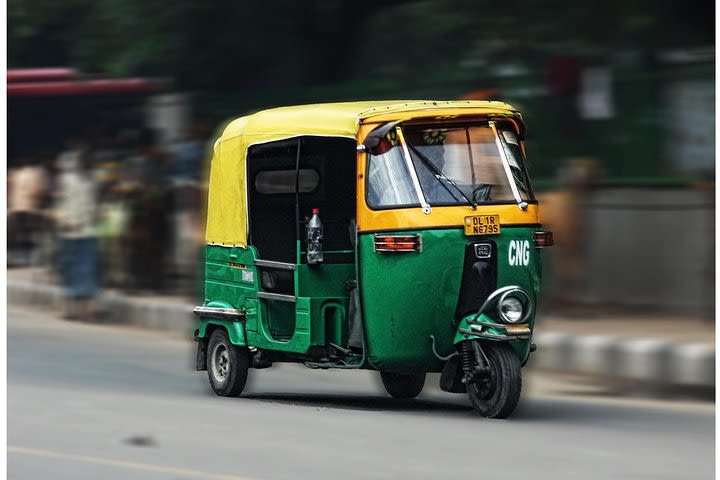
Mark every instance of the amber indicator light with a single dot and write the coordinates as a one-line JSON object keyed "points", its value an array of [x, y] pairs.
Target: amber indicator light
{"points": [[398, 243]]}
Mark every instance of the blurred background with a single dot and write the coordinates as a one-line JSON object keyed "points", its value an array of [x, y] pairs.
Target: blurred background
{"points": [[619, 100], [114, 104]]}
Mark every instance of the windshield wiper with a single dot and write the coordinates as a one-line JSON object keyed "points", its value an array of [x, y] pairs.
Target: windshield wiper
{"points": [[441, 176], [522, 204], [519, 180]]}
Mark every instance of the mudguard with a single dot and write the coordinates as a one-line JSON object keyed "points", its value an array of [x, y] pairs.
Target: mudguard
{"points": [[494, 332], [234, 328]]}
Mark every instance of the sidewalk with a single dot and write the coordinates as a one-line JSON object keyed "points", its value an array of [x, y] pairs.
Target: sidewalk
{"points": [[673, 351]]}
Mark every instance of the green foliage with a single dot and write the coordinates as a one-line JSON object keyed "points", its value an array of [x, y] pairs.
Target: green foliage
{"points": [[232, 45]]}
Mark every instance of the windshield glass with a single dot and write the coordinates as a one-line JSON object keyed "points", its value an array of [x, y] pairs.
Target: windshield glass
{"points": [[455, 165]]}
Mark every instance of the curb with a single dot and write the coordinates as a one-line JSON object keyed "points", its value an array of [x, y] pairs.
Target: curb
{"points": [[120, 310], [639, 359]]}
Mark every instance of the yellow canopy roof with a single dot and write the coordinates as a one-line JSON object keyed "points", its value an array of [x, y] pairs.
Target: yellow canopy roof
{"points": [[227, 203], [336, 119]]}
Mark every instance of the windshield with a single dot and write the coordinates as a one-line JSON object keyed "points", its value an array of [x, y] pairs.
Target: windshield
{"points": [[455, 165]]}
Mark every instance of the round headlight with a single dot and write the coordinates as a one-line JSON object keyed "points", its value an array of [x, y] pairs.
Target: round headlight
{"points": [[511, 309]]}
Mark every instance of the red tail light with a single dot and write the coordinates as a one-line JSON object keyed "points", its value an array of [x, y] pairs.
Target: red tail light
{"points": [[398, 243], [543, 239]]}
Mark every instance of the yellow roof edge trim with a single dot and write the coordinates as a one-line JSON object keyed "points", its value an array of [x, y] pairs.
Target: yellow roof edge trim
{"points": [[498, 107], [339, 119]]}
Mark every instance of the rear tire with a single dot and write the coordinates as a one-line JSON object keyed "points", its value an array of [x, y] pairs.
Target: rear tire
{"points": [[499, 396], [227, 365], [403, 385]]}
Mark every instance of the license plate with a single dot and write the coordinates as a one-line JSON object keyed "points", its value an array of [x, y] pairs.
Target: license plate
{"points": [[482, 225], [517, 329]]}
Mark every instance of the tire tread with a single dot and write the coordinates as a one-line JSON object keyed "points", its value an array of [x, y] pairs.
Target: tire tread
{"points": [[403, 385], [508, 365]]}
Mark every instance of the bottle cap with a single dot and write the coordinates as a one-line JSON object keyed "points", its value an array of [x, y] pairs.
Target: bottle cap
{"points": [[316, 210]]}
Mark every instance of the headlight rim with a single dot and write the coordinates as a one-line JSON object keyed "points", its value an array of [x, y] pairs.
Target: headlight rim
{"points": [[527, 306]]}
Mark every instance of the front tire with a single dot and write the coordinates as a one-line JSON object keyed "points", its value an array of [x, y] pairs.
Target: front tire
{"points": [[403, 385], [498, 395], [227, 365]]}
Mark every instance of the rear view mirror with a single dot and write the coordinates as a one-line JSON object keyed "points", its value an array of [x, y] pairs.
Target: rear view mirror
{"points": [[373, 139]]}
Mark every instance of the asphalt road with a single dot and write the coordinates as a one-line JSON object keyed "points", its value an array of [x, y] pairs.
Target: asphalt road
{"points": [[89, 402]]}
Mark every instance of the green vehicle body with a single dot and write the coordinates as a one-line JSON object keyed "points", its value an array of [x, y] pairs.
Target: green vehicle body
{"points": [[404, 299], [317, 316], [431, 247]]}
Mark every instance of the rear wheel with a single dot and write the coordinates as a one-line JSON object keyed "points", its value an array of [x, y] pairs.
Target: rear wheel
{"points": [[497, 395], [403, 385], [227, 365]]}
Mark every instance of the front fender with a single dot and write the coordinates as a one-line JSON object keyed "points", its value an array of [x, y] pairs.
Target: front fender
{"points": [[486, 328]]}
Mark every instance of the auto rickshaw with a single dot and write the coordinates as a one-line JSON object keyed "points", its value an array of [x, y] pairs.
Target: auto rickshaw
{"points": [[430, 256]]}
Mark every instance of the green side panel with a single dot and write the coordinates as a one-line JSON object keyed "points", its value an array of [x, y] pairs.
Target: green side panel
{"points": [[273, 326], [325, 280], [315, 322], [528, 276], [319, 315], [325, 285], [227, 287], [517, 273], [281, 319], [230, 276], [331, 324], [251, 317], [406, 297]]}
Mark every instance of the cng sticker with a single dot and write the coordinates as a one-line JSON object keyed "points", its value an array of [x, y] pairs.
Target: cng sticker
{"points": [[519, 252]]}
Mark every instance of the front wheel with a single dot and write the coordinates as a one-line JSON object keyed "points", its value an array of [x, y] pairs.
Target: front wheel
{"points": [[497, 394], [403, 385], [227, 365]]}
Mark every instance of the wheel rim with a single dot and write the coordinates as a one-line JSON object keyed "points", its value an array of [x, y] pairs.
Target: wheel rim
{"points": [[221, 362]]}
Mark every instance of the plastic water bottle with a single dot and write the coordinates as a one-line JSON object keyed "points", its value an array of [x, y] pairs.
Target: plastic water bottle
{"points": [[314, 238]]}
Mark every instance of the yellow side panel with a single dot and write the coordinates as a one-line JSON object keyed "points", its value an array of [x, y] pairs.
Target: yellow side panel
{"points": [[227, 201]]}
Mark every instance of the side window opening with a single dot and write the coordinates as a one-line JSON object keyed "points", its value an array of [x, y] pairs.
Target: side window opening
{"points": [[278, 182], [326, 181]]}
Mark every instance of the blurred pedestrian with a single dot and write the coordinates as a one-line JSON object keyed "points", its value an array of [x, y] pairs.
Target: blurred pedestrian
{"points": [[149, 234], [106, 163], [76, 212], [563, 213], [112, 228], [185, 171], [188, 155], [29, 187], [112, 217]]}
